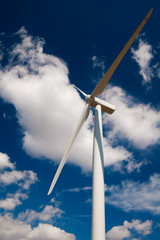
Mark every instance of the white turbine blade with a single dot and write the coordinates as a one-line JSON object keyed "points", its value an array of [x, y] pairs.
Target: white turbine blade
{"points": [[83, 118], [84, 94], [101, 85]]}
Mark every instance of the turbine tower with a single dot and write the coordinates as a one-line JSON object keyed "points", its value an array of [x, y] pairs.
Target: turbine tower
{"points": [[98, 203]]}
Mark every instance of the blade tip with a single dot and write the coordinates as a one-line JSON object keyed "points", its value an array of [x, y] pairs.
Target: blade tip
{"points": [[150, 12], [49, 192]]}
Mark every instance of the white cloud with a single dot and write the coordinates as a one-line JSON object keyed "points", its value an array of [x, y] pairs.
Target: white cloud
{"points": [[143, 228], [48, 107], [97, 62], [23, 178], [55, 202], [5, 162], [158, 72], [12, 201], [78, 189], [129, 166], [135, 196], [118, 233], [143, 56], [126, 230], [133, 165], [48, 232], [114, 155], [12, 229], [137, 122], [47, 214]]}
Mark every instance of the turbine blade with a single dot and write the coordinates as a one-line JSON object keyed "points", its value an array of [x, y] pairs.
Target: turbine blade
{"points": [[101, 85], [84, 94], [83, 118]]}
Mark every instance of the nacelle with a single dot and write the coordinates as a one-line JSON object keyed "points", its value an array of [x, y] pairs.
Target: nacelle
{"points": [[106, 107]]}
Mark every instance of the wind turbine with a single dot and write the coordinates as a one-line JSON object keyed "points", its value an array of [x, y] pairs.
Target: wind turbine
{"points": [[98, 204]]}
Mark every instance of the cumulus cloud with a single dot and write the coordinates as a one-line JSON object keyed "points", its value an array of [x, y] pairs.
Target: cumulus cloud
{"points": [[126, 230], [22, 179], [143, 56], [47, 214], [12, 229], [118, 233], [137, 122], [5, 162], [11, 177], [12, 201], [48, 232], [48, 107], [136, 196]]}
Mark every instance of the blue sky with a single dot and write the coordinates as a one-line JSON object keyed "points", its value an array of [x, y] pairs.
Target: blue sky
{"points": [[46, 47]]}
